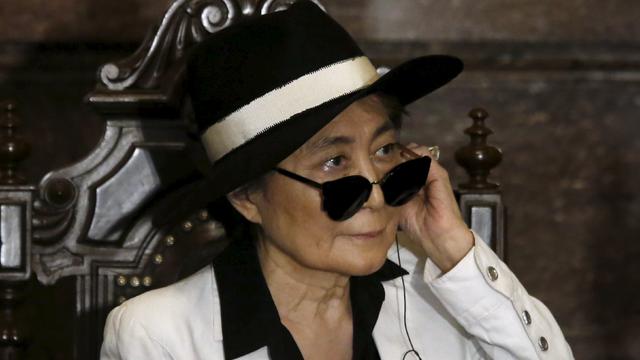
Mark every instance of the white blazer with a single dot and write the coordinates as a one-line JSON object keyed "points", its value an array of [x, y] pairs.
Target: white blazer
{"points": [[477, 310]]}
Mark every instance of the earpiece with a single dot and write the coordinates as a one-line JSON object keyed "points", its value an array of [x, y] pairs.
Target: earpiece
{"points": [[404, 308]]}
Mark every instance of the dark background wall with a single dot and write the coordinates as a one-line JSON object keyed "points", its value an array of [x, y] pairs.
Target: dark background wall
{"points": [[561, 80]]}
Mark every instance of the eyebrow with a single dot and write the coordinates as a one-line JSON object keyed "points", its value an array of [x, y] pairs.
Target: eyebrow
{"points": [[329, 141]]}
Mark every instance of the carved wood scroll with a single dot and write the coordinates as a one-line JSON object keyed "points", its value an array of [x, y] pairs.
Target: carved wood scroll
{"points": [[152, 76]]}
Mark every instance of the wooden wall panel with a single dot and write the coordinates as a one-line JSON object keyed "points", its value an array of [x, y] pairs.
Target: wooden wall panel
{"points": [[522, 20]]}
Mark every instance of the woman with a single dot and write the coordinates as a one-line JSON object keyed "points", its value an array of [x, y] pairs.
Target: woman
{"points": [[311, 183]]}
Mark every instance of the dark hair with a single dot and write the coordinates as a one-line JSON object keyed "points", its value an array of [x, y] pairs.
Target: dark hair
{"points": [[236, 226], [395, 109]]}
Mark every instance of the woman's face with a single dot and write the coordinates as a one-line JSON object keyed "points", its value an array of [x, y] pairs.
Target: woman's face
{"points": [[359, 141]]}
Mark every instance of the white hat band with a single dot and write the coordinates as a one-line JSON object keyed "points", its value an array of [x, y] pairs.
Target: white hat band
{"points": [[280, 104]]}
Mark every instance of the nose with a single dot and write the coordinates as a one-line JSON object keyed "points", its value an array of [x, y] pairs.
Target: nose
{"points": [[376, 198]]}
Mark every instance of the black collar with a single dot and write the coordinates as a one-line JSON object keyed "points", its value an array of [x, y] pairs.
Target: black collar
{"points": [[250, 319]]}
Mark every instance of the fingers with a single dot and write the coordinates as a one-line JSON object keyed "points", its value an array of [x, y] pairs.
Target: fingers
{"points": [[436, 171], [432, 152], [435, 152], [420, 150]]}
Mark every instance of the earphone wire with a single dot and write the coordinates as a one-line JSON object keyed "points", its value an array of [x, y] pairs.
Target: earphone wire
{"points": [[404, 307]]}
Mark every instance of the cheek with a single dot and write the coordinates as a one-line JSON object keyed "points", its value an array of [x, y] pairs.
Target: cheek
{"points": [[293, 217], [294, 222]]}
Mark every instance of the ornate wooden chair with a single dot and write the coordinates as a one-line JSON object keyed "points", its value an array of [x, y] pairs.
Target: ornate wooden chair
{"points": [[115, 220]]}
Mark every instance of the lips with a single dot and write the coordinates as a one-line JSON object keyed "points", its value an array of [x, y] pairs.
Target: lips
{"points": [[370, 234]]}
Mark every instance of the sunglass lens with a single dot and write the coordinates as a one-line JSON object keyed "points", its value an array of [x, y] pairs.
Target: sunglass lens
{"points": [[405, 180], [344, 197]]}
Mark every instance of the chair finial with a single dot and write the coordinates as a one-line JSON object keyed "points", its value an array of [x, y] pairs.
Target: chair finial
{"points": [[478, 157], [13, 148]]}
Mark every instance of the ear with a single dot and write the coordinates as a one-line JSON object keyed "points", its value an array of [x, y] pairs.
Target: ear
{"points": [[244, 202]]}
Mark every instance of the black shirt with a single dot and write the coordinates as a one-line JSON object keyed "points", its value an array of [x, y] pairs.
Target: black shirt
{"points": [[250, 319]]}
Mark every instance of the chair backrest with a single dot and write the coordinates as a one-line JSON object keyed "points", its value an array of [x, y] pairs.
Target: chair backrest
{"points": [[110, 219], [116, 222]]}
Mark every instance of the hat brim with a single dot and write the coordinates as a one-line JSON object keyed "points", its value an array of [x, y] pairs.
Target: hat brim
{"points": [[406, 82]]}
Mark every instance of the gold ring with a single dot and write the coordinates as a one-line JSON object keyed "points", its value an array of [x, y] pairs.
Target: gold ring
{"points": [[435, 152]]}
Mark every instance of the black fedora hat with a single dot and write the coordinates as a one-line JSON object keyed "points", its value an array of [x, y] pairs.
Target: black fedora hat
{"points": [[261, 88]]}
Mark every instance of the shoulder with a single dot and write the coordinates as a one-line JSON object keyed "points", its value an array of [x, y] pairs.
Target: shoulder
{"points": [[174, 301], [167, 318]]}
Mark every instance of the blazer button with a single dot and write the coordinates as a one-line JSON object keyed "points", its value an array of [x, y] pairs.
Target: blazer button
{"points": [[526, 317], [544, 345], [493, 273]]}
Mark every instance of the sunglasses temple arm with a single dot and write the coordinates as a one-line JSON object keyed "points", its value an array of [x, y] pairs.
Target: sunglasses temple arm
{"points": [[409, 151], [295, 176]]}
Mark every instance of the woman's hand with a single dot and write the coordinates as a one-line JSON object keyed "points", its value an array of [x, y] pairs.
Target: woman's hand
{"points": [[433, 218]]}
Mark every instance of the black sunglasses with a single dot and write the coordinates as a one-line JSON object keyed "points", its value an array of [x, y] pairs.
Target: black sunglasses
{"points": [[343, 197]]}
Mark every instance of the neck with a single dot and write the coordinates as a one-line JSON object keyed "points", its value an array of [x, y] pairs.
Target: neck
{"points": [[303, 295]]}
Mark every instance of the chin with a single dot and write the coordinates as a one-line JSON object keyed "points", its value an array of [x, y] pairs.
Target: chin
{"points": [[367, 257], [368, 268], [365, 263]]}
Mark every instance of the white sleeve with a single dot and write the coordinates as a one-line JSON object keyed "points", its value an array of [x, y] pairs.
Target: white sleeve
{"points": [[487, 299], [127, 339]]}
